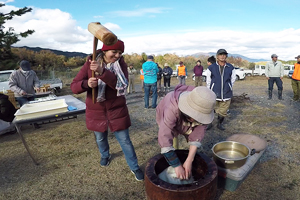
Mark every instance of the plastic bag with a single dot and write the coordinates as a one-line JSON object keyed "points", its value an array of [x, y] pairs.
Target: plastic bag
{"points": [[169, 176]]}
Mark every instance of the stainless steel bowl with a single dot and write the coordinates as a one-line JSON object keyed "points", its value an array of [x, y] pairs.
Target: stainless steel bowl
{"points": [[230, 154]]}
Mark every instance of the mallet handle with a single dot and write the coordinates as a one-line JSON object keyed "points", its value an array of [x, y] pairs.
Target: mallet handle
{"points": [[93, 72]]}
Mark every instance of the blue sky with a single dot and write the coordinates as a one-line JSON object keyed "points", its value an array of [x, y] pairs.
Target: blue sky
{"points": [[253, 28]]}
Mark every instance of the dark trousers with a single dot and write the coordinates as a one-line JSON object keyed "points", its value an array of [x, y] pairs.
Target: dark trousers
{"points": [[23, 100], [278, 82], [167, 82]]}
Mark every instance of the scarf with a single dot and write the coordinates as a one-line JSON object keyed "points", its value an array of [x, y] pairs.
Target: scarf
{"points": [[121, 85]]}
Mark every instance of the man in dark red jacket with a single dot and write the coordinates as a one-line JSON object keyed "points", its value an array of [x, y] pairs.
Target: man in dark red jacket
{"points": [[111, 110]]}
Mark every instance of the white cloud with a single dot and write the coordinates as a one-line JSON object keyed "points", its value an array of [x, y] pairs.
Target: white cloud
{"points": [[98, 16], [112, 27], [251, 44], [7, 1], [55, 29], [139, 12]]}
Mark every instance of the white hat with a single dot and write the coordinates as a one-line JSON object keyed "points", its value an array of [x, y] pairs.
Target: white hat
{"points": [[199, 104], [166, 65]]}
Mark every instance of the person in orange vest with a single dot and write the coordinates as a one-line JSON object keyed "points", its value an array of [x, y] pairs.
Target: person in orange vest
{"points": [[142, 79], [296, 80], [181, 73]]}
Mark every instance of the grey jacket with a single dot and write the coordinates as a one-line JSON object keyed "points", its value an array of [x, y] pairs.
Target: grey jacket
{"points": [[274, 69], [131, 72], [18, 82]]}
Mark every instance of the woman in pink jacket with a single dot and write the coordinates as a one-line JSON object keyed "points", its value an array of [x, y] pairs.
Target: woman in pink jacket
{"points": [[186, 111], [110, 110]]}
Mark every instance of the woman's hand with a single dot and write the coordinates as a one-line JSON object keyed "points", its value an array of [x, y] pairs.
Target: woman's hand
{"points": [[189, 160], [96, 67], [187, 165], [93, 82], [180, 172]]}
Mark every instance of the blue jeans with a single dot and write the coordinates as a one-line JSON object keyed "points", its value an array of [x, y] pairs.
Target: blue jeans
{"points": [[153, 88], [125, 143], [24, 100], [278, 82]]}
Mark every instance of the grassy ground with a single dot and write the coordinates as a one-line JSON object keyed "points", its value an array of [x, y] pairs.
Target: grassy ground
{"points": [[69, 160]]}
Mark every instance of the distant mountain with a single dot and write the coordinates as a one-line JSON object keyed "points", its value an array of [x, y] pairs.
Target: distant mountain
{"points": [[233, 55], [57, 52]]}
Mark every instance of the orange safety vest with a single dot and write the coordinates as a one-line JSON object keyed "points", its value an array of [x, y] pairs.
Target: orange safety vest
{"points": [[142, 76], [181, 71], [296, 74]]}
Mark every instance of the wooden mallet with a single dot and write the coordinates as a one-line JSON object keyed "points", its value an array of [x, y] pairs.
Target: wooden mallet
{"points": [[103, 34]]}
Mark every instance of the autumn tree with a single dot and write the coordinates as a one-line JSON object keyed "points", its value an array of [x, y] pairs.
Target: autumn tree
{"points": [[8, 37]]}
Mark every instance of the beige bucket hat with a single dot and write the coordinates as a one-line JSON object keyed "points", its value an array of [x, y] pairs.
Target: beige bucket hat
{"points": [[166, 65], [199, 104]]}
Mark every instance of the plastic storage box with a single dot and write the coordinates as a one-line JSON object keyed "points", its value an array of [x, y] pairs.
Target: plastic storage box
{"points": [[231, 179], [41, 109]]}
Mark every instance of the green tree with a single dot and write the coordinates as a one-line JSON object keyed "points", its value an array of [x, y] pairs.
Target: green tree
{"points": [[8, 37], [251, 66]]}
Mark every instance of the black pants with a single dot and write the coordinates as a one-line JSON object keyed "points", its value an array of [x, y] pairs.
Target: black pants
{"points": [[167, 82], [278, 82]]}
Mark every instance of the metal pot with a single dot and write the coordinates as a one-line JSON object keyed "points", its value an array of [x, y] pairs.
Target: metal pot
{"points": [[230, 154]]}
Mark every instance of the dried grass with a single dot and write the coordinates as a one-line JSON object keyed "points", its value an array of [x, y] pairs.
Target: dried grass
{"points": [[69, 159]]}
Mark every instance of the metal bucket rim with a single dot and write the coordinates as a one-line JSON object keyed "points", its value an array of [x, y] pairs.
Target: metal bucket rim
{"points": [[232, 159]]}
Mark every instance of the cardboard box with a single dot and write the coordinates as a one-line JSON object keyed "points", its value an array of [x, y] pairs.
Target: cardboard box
{"points": [[40, 109], [231, 179]]}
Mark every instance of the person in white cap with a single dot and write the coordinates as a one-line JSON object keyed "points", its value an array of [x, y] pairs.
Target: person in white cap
{"points": [[185, 111], [274, 73]]}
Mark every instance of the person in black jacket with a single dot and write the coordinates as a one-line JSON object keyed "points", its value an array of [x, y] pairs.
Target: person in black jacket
{"points": [[7, 109], [159, 74], [167, 73]]}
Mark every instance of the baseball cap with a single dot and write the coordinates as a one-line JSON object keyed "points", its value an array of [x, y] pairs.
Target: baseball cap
{"points": [[221, 51], [274, 55]]}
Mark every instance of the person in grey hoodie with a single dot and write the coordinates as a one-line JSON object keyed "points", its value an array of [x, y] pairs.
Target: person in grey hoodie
{"points": [[23, 83], [274, 73]]}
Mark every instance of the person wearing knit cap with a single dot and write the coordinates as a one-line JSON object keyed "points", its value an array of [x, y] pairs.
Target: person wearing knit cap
{"points": [[23, 82], [110, 109]]}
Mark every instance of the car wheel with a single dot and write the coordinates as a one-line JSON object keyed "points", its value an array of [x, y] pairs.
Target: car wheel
{"points": [[237, 78]]}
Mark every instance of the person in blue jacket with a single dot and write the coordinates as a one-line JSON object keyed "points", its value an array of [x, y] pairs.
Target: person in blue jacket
{"points": [[150, 70], [220, 78]]}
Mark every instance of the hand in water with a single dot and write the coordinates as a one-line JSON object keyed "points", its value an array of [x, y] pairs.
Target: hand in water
{"points": [[180, 172]]}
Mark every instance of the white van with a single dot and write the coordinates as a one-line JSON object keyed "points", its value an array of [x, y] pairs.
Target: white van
{"points": [[261, 70], [4, 79], [288, 68]]}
